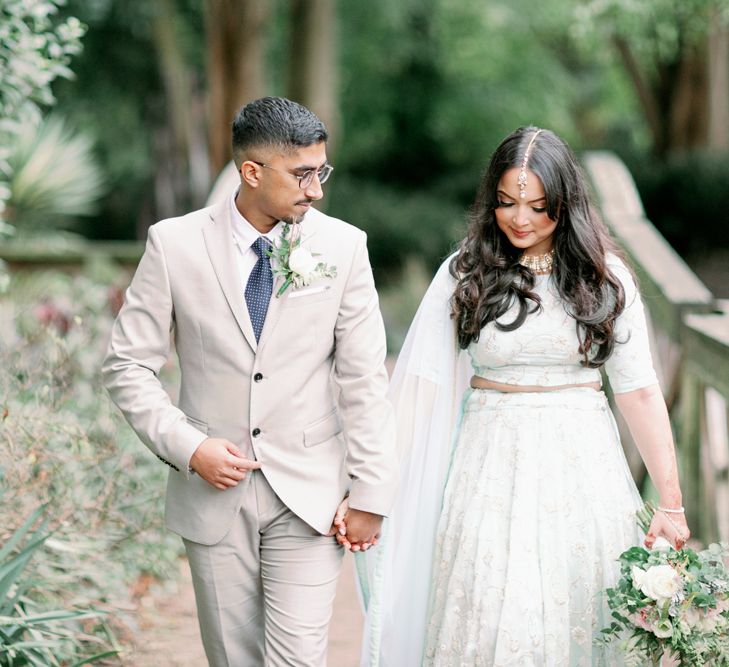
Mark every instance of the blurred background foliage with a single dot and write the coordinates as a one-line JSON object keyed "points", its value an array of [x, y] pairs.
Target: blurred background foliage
{"points": [[416, 94]]}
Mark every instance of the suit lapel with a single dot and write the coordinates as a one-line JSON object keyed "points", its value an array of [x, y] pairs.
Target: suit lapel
{"points": [[308, 229], [221, 249]]}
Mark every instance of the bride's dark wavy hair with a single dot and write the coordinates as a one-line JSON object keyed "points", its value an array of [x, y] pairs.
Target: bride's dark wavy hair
{"points": [[490, 278]]}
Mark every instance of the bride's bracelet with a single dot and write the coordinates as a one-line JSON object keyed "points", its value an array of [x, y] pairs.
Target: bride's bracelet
{"points": [[668, 510]]}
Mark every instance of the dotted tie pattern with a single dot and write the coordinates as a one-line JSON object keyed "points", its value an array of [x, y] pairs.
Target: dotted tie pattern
{"points": [[260, 286]]}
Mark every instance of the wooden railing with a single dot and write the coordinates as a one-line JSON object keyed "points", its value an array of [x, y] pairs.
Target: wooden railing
{"points": [[71, 257], [690, 341]]}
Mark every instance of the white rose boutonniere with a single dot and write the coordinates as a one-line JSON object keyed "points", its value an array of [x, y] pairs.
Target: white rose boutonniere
{"points": [[302, 262], [295, 263]]}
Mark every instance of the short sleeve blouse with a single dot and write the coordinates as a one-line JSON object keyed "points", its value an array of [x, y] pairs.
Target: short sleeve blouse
{"points": [[544, 351]]}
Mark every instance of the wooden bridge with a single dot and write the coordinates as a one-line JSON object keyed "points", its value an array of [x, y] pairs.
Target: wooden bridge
{"points": [[690, 341]]}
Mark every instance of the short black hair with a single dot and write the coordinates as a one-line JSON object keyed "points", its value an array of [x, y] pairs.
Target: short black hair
{"points": [[274, 122]]}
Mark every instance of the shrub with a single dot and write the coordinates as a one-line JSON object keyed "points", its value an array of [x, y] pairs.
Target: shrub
{"points": [[687, 199], [54, 176], [34, 50], [31, 637], [63, 444]]}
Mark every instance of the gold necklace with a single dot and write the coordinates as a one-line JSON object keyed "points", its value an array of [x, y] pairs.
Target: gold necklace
{"points": [[539, 264]]}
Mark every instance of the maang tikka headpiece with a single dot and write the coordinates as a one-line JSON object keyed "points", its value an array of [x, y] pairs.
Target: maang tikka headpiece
{"points": [[522, 180]]}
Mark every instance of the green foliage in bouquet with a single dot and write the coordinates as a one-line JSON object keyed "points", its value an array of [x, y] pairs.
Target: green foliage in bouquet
{"points": [[670, 602], [39, 638]]}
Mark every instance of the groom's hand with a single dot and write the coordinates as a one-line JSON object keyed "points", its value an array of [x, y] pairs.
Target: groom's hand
{"points": [[338, 527], [363, 529], [220, 463]]}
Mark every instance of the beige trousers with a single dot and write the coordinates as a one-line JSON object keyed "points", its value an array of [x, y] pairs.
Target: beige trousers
{"points": [[264, 593]]}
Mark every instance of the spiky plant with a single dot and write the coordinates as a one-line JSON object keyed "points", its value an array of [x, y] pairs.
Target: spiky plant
{"points": [[55, 176]]}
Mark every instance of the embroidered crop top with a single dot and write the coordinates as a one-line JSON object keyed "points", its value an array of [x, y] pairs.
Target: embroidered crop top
{"points": [[543, 351]]}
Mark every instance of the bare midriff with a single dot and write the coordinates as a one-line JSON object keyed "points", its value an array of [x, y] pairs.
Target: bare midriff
{"points": [[482, 383]]}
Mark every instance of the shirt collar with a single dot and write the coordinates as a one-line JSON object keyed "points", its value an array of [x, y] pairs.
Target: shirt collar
{"points": [[244, 232]]}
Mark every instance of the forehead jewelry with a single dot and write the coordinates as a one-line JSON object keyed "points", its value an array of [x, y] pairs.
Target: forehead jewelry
{"points": [[522, 180]]}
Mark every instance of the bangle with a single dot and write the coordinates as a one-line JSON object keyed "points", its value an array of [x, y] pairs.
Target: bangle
{"points": [[668, 510]]}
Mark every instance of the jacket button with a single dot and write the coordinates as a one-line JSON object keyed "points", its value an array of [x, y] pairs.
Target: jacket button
{"points": [[256, 432], [258, 377]]}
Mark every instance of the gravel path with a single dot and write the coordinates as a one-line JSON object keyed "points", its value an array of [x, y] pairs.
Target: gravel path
{"points": [[169, 635]]}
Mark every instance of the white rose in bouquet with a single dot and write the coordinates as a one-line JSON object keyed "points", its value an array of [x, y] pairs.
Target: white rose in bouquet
{"points": [[302, 262], [662, 628], [658, 582], [661, 544], [637, 575]]}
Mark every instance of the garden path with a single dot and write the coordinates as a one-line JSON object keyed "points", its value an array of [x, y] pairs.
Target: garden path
{"points": [[169, 636]]}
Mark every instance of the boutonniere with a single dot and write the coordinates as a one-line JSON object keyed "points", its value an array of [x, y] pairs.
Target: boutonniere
{"points": [[295, 263]]}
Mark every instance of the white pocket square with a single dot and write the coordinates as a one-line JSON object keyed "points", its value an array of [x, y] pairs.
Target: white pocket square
{"points": [[306, 291]]}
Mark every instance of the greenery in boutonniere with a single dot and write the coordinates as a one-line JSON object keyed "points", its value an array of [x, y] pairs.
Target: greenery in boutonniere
{"points": [[295, 263]]}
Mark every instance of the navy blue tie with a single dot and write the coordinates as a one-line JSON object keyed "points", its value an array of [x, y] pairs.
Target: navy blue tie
{"points": [[260, 286]]}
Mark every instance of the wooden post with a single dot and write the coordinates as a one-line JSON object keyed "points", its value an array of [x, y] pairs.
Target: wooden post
{"points": [[688, 444]]}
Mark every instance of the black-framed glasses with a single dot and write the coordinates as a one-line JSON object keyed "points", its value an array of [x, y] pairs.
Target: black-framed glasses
{"points": [[305, 179]]}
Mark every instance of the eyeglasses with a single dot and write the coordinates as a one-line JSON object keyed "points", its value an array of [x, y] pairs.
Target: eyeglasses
{"points": [[305, 179]]}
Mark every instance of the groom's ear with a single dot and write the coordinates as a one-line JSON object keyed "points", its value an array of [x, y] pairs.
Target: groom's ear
{"points": [[250, 174]]}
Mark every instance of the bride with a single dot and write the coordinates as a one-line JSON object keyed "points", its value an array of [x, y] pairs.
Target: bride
{"points": [[516, 498]]}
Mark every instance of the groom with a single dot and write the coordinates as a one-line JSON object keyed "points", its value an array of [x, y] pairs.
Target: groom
{"points": [[282, 409]]}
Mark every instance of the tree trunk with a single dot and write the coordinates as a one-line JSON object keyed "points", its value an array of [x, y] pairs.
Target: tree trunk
{"points": [[313, 78], [172, 171], [718, 89], [686, 104], [235, 32], [646, 93], [687, 113]]}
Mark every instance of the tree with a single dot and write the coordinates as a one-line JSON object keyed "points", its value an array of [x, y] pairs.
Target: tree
{"points": [[675, 54], [235, 33], [313, 61], [182, 142]]}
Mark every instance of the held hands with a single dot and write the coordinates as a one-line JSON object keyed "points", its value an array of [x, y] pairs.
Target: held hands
{"points": [[220, 463], [355, 530], [671, 526]]}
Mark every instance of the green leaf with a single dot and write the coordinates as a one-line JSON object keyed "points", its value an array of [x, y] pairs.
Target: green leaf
{"points": [[18, 535], [10, 570], [50, 617], [93, 658], [284, 287], [635, 555]]}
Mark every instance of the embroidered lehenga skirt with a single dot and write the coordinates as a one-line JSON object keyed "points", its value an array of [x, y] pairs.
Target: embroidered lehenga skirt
{"points": [[538, 505]]}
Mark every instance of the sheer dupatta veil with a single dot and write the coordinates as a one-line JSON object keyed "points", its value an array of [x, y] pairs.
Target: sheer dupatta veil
{"points": [[427, 390]]}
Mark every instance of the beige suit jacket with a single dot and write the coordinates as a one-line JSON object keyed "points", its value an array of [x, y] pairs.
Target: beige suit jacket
{"points": [[307, 401]]}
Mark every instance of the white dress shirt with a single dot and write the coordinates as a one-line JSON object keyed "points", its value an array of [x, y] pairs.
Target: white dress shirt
{"points": [[244, 235]]}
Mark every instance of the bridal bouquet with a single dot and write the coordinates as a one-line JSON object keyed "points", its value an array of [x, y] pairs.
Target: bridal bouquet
{"points": [[670, 602]]}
